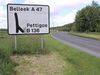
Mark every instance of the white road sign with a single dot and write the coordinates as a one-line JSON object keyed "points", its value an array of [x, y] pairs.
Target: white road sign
{"points": [[28, 19]]}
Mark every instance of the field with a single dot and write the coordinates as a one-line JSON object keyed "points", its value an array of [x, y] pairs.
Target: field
{"points": [[55, 59]]}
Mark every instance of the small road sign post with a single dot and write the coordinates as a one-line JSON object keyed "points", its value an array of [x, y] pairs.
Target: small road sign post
{"points": [[42, 42], [28, 19], [15, 43]]}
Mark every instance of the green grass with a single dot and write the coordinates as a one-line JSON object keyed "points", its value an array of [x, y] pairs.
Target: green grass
{"points": [[26, 44], [6, 65], [80, 63], [92, 35]]}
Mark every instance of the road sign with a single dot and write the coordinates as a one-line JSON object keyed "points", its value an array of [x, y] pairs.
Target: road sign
{"points": [[28, 19]]}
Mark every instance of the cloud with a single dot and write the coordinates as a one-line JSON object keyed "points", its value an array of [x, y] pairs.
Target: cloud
{"points": [[61, 20], [57, 6], [4, 2], [90, 1], [3, 22], [3, 5], [3, 18], [56, 9], [3, 12]]}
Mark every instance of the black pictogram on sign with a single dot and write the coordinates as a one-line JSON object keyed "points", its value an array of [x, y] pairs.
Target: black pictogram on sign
{"points": [[17, 24]]}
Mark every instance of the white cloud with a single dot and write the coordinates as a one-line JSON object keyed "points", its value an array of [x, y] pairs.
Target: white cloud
{"points": [[3, 12], [4, 2], [3, 22], [61, 20], [90, 1], [57, 5]]}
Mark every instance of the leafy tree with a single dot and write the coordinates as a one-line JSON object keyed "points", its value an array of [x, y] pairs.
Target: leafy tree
{"points": [[98, 20], [88, 18]]}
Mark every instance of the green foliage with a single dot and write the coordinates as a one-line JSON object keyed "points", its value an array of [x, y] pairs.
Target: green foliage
{"points": [[98, 20], [88, 19], [67, 27], [73, 27], [6, 65], [59, 28]]}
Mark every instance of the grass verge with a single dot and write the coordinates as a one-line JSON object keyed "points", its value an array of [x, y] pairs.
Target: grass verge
{"points": [[80, 63], [92, 35], [50, 64], [29, 44], [6, 64], [76, 62], [26, 44]]}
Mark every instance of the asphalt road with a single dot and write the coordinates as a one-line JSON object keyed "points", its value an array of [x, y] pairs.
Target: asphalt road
{"points": [[90, 46]]}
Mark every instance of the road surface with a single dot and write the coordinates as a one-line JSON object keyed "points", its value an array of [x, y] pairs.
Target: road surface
{"points": [[85, 44]]}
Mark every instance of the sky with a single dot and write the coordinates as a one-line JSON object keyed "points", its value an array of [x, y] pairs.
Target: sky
{"points": [[61, 11]]}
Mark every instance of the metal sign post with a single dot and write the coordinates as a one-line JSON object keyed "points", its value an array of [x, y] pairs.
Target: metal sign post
{"points": [[15, 43], [42, 42]]}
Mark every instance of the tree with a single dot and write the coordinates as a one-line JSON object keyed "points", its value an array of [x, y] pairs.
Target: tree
{"points": [[88, 18], [81, 20], [98, 20]]}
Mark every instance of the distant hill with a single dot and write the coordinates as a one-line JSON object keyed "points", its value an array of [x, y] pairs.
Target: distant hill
{"points": [[66, 27], [3, 29]]}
